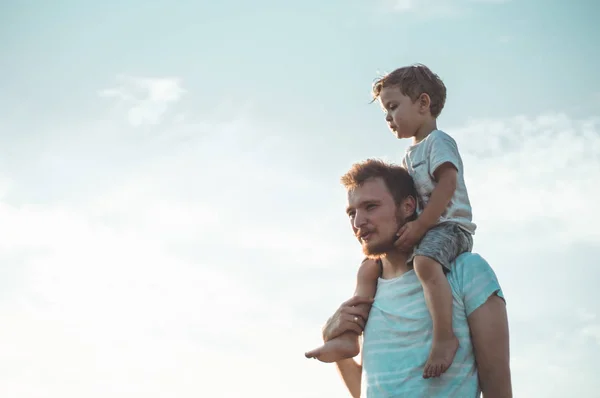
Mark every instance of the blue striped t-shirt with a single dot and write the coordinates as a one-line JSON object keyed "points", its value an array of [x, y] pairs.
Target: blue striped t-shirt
{"points": [[398, 334]]}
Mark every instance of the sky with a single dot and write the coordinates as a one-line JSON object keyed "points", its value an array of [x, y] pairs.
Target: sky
{"points": [[171, 218]]}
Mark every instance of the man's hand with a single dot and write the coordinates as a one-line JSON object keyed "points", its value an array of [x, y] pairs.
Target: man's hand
{"points": [[351, 316], [409, 235]]}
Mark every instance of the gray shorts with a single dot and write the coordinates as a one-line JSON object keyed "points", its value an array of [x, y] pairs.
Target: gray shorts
{"points": [[444, 243]]}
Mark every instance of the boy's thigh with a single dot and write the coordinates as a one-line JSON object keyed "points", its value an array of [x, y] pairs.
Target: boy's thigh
{"points": [[443, 243]]}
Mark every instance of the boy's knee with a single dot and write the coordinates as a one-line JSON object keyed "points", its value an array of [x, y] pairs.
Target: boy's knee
{"points": [[427, 269]]}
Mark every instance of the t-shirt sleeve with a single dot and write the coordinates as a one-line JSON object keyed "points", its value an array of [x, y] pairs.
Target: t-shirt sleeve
{"points": [[443, 149], [476, 281]]}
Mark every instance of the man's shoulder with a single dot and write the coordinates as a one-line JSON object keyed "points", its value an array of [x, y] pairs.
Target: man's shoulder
{"points": [[473, 280], [469, 258], [467, 268]]}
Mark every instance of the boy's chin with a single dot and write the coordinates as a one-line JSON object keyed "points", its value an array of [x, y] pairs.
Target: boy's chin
{"points": [[399, 135]]}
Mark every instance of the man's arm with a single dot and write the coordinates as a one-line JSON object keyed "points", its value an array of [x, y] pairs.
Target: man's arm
{"points": [[490, 338], [486, 314], [351, 373]]}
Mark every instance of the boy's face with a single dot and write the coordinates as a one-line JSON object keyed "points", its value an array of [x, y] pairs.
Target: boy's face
{"points": [[402, 114]]}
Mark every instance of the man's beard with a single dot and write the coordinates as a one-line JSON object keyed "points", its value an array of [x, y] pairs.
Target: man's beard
{"points": [[377, 250]]}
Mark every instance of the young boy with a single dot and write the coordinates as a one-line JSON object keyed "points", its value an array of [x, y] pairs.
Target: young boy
{"points": [[412, 98]]}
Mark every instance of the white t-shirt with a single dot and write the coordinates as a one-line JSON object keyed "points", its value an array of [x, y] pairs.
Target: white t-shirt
{"points": [[398, 334], [422, 159]]}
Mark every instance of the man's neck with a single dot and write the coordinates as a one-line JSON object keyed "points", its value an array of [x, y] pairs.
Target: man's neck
{"points": [[394, 264]]}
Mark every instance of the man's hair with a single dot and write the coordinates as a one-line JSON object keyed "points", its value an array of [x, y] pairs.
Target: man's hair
{"points": [[396, 178], [413, 81]]}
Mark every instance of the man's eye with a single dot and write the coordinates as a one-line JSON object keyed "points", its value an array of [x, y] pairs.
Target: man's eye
{"points": [[371, 207]]}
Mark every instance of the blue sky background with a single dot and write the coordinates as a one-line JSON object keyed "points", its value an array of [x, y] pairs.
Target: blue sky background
{"points": [[172, 219]]}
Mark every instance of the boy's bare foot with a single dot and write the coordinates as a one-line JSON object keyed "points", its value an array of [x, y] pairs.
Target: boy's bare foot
{"points": [[441, 357], [336, 349]]}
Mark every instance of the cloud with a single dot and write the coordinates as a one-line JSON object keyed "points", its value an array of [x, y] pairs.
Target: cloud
{"points": [[532, 183], [556, 349], [437, 8], [146, 99], [428, 8], [113, 297], [586, 315], [5, 184], [534, 173], [215, 254], [142, 287], [404, 5], [592, 332]]}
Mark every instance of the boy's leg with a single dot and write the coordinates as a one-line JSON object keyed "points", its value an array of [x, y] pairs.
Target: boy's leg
{"points": [[346, 345], [431, 259], [438, 297]]}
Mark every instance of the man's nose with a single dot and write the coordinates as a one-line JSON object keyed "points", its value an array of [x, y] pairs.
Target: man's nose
{"points": [[359, 220]]}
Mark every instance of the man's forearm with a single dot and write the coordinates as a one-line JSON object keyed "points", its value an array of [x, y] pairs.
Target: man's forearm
{"points": [[351, 373]]}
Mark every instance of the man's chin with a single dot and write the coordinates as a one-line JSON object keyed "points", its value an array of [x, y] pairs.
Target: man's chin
{"points": [[376, 250]]}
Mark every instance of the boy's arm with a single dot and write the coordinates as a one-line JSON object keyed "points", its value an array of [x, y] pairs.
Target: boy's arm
{"points": [[444, 162], [413, 231], [445, 175], [351, 373]]}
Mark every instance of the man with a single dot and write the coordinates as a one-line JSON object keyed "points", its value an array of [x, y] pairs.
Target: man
{"points": [[398, 334]]}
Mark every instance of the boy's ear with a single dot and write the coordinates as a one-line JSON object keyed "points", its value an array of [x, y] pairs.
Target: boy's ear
{"points": [[424, 102]]}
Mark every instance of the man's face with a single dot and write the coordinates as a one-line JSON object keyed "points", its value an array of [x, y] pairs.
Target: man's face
{"points": [[374, 217], [401, 113]]}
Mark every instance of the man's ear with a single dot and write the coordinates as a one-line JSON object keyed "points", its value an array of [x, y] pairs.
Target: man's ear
{"points": [[408, 207], [424, 102]]}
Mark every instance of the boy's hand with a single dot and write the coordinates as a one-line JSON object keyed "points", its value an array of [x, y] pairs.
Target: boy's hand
{"points": [[409, 235]]}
